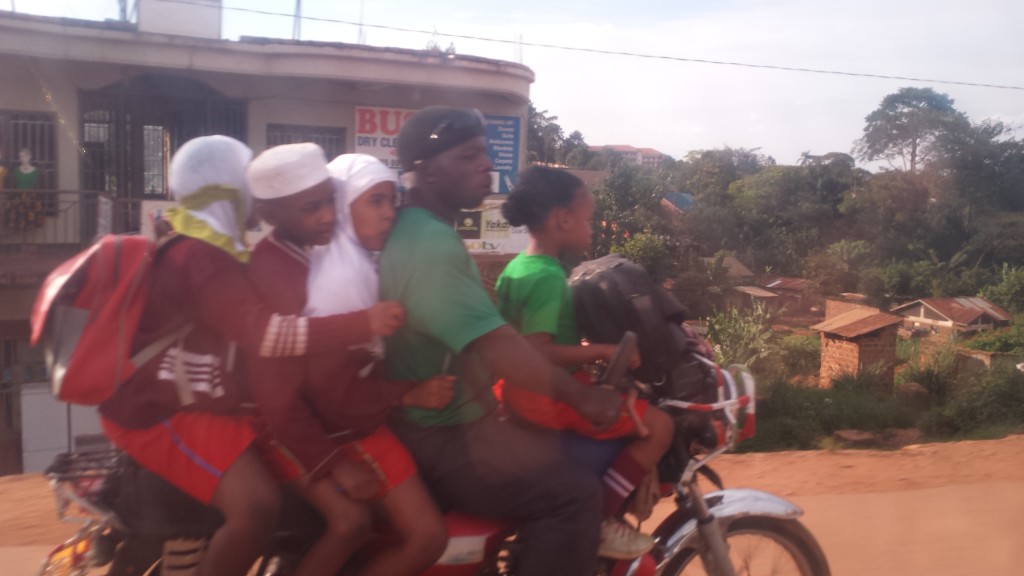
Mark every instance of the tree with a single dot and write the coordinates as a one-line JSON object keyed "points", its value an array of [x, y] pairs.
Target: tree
{"points": [[706, 173], [570, 145], [912, 127], [650, 251], [1009, 291], [544, 137], [628, 202]]}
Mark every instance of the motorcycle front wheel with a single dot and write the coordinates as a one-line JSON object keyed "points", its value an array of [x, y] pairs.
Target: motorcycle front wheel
{"points": [[761, 546]]}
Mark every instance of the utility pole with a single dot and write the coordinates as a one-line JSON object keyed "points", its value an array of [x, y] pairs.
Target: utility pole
{"points": [[362, 34], [297, 29], [123, 5]]}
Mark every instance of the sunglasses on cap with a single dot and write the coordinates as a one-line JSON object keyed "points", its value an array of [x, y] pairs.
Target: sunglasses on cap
{"points": [[468, 119], [462, 126]]}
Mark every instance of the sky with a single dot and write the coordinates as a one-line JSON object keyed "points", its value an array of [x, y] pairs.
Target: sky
{"points": [[679, 106]]}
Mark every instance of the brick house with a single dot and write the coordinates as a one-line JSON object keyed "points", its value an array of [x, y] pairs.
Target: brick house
{"points": [[855, 337], [951, 316]]}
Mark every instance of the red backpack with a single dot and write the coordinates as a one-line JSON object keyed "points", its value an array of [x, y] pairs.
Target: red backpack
{"points": [[87, 313]]}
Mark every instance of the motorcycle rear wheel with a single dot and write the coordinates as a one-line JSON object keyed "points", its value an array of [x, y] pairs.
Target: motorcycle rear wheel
{"points": [[761, 546]]}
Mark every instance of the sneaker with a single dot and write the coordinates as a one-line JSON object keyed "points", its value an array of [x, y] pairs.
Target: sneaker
{"points": [[620, 541]]}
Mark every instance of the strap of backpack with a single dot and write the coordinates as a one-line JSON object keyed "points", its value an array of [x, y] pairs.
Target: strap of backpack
{"points": [[154, 348]]}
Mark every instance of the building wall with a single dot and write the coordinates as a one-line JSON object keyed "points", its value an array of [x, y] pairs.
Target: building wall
{"points": [[879, 349], [841, 356], [838, 356], [834, 308]]}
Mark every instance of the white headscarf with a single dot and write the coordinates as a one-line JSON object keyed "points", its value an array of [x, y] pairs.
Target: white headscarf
{"points": [[207, 178], [343, 274]]}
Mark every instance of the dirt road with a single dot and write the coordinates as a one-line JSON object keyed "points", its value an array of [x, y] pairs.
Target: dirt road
{"points": [[952, 509]]}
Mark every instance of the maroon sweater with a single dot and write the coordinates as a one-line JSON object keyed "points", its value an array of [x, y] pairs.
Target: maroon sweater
{"points": [[197, 283], [312, 404]]}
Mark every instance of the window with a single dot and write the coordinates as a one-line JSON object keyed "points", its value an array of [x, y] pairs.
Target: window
{"points": [[156, 145], [332, 140]]}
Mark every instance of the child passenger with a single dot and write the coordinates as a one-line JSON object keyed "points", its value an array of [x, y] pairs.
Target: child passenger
{"points": [[533, 296], [328, 410], [181, 415]]}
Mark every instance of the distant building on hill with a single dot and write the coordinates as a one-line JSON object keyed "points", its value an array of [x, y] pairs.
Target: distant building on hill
{"points": [[647, 157]]}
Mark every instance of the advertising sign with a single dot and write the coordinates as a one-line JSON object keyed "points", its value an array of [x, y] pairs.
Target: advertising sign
{"points": [[377, 135], [483, 230], [377, 132], [503, 146]]}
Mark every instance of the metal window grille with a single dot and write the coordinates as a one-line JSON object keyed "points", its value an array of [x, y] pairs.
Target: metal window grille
{"points": [[33, 132]]}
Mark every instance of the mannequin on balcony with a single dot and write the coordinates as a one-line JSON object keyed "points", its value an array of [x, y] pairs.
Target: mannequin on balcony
{"points": [[3, 170], [24, 210]]}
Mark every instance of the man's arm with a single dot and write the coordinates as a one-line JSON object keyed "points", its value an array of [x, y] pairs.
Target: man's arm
{"points": [[509, 356]]}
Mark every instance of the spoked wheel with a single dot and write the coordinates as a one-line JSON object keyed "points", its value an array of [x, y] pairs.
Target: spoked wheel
{"points": [[761, 546]]}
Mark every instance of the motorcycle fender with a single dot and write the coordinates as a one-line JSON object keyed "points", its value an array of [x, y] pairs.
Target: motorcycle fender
{"points": [[679, 530]]}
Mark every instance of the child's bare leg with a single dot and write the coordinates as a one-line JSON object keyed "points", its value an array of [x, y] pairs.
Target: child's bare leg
{"points": [[420, 528], [637, 460], [347, 525], [649, 450], [249, 498]]}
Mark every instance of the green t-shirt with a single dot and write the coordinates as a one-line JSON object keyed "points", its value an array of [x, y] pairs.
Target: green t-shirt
{"points": [[427, 269], [534, 297]]}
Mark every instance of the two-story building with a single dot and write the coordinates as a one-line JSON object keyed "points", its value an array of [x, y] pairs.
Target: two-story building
{"points": [[100, 107]]}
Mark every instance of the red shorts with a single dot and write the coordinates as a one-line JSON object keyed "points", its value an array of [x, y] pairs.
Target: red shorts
{"points": [[381, 451], [191, 450], [385, 454], [549, 413]]}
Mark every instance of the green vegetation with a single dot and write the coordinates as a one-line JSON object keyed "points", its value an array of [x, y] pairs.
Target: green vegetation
{"points": [[945, 218], [1010, 340], [796, 418], [993, 401]]}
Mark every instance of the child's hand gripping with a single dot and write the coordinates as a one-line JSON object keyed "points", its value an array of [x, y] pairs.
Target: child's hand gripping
{"points": [[432, 394], [386, 318], [620, 359]]}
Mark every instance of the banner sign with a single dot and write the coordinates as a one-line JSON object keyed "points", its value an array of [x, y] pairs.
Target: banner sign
{"points": [[483, 230], [377, 135]]}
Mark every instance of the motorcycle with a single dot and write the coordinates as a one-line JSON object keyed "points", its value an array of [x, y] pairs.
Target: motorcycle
{"points": [[139, 524]]}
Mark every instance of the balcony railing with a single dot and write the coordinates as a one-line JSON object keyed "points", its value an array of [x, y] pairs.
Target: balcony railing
{"points": [[61, 218]]}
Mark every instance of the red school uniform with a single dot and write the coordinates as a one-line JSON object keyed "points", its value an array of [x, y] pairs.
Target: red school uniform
{"points": [[318, 407], [193, 445]]}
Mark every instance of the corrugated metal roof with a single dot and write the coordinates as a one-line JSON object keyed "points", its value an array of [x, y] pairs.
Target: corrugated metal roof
{"points": [[755, 291], [733, 267], [962, 310], [857, 323], [785, 283]]}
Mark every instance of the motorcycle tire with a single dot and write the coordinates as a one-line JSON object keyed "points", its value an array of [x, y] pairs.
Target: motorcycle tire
{"points": [[761, 545]]}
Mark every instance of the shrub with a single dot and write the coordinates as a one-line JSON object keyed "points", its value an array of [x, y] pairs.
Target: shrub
{"points": [[740, 336], [790, 356], [795, 418], [800, 354], [937, 373], [1009, 340], [869, 380], [907, 350], [995, 399]]}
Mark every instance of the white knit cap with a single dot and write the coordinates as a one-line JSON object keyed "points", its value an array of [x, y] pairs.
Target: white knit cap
{"points": [[287, 169]]}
